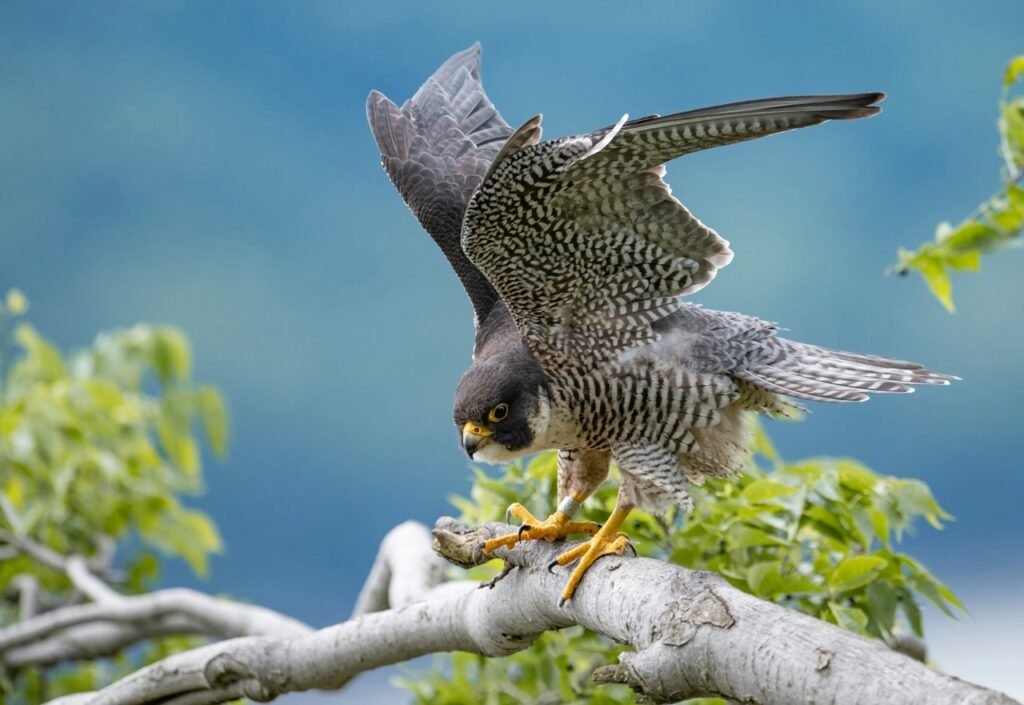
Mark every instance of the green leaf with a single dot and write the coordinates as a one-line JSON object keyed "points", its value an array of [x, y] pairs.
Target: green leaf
{"points": [[144, 570], [855, 572], [179, 445], [912, 611], [505, 493], [882, 602], [183, 532], [915, 499], [855, 476], [1013, 71], [762, 444], [880, 524], [1011, 125], [84, 677], [214, 415], [172, 358], [1015, 198], [764, 578], [849, 618], [16, 302], [42, 357], [937, 279], [971, 236], [968, 261], [743, 536], [761, 491]]}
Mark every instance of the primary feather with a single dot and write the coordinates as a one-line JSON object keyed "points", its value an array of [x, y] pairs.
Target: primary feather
{"points": [[436, 148]]}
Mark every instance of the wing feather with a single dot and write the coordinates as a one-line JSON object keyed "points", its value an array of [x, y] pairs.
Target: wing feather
{"points": [[436, 149], [583, 239]]}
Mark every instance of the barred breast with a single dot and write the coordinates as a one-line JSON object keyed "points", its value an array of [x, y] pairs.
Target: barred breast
{"points": [[633, 403]]}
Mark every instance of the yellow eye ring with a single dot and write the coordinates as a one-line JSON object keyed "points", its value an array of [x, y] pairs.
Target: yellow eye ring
{"points": [[498, 413]]}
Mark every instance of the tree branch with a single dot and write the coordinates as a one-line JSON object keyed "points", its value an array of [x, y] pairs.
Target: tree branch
{"points": [[402, 572], [113, 620], [693, 635], [204, 614]]}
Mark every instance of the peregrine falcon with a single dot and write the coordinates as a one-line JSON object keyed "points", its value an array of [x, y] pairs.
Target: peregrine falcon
{"points": [[575, 254]]}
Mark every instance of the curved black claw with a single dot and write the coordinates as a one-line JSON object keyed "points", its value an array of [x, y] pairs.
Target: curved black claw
{"points": [[522, 530], [632, 548], [508, 515], [551, 566], [562, 601]]}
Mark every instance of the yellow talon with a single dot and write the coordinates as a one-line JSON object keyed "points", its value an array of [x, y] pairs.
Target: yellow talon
{"points": [[608, 541], [557, 526]]}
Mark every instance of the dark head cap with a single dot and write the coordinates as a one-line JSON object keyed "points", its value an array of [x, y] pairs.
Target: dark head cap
{"points": [[496, 399]]}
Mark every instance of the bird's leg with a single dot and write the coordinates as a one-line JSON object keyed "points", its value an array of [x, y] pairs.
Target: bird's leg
{"points": [[608, 540], [557, 526]]}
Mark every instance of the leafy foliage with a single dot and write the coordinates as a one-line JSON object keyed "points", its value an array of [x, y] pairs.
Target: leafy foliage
{"points": [[96, 448], [998, 221], [817, 535]]}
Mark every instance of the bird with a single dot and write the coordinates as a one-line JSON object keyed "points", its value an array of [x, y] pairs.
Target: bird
{"points": [[577, 259]]}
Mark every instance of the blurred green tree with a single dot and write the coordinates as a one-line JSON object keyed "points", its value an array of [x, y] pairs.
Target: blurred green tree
{"points": [[995, 224], [97, 450]]}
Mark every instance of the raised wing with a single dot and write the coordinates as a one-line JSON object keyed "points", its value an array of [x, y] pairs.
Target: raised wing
{"points": [[581, 237], [436, 148]]}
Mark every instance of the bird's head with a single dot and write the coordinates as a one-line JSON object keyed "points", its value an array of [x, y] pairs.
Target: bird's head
{"points": [[501, 408]]}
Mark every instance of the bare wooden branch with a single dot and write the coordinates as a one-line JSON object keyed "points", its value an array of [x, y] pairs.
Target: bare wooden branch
{"points": [[94, 640], [27, 587], [114, 621], [402, 572], [77, 569], [692, 635], [208, 615]]}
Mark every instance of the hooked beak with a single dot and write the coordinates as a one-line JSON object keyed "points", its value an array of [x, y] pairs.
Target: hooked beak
{"points": [[474, 437]]}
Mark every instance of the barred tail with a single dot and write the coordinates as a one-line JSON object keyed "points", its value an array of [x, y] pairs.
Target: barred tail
{"points": [[821, 374]]}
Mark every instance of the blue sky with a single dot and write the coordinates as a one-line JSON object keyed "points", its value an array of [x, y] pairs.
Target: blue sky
{"points": [[209, 165]]}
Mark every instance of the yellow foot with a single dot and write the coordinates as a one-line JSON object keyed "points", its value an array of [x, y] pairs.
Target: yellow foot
{"points": [[556, 526], [605, 542], [588, 552]]}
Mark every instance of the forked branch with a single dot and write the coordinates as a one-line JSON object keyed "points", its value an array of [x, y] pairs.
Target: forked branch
{"points": [[692, 635]]}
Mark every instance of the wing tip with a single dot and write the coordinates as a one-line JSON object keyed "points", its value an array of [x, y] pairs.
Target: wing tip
{"points": [[861, 105], [468, 58], [374, 100]]}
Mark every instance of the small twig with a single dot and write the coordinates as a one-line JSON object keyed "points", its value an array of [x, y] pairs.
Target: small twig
{"points": [[45, 555], [77, 570], [10, 515]]}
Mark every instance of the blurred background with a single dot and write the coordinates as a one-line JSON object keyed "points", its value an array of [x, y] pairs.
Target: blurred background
{"points": [[209, 165]]}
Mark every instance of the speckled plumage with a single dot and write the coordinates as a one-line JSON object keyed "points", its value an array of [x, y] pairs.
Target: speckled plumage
{"points": [[575, 255]]}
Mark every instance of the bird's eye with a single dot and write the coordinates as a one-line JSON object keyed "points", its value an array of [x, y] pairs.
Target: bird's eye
{"points": [[498, 413]]}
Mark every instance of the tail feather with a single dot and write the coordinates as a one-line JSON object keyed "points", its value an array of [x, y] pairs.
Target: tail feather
{"points": [[790, 385], [821, 374]]}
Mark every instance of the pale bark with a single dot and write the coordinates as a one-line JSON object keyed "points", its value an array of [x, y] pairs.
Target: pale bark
{"points": [[113, 621], [191, 612], [693, 635]]}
